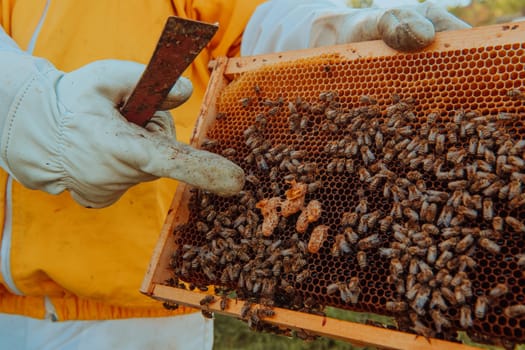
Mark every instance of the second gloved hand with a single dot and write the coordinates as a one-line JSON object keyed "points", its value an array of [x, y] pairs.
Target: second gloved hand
{"points": [[63, 131], [282, 25]]}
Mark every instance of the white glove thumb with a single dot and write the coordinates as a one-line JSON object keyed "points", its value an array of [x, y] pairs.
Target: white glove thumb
{"points": [[407, 28]]}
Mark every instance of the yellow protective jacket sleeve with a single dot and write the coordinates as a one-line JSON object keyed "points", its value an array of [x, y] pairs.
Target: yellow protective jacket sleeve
{"points": [[91, 263]]}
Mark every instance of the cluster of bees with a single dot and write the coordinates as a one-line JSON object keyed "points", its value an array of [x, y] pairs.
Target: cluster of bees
{"points": [[430, 196]]}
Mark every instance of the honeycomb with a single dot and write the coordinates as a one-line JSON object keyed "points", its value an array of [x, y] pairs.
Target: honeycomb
{"points": [[415, 163]]}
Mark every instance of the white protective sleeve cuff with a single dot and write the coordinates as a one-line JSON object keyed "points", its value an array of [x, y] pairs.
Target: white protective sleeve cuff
{"points": [[63, 131], [281, 25]]}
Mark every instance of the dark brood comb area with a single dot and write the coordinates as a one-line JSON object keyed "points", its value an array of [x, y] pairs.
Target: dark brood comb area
{"points": [[375, 185]]}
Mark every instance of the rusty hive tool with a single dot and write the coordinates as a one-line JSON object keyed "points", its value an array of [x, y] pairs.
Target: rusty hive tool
{"points": [[180, 42]]}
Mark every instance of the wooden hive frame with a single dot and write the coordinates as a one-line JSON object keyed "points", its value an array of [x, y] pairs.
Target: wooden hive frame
{"points": [[224, 69]]}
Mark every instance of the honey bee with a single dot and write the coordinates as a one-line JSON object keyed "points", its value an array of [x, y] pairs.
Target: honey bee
{"points": [[432, 254], [367, 155], [430, 229], [317, 238], [419, 328], [340, 245], [396, 306], [465, 261], [515, 93], [362, 206], [362, 227], [351, 235], [396, 268], [448, 295], [385, 223], [207, 314], [444, 258], [498, 291], [400, 234], [521, 260], [438, 301], [207, 300], [467, 129], [389, 252], [350, 292], [397, 210], [489, 156], [481, 306], [457, 185], [327, 96], [426, 273], [514, 189], [245, 309], [489, 245], [473, 145], [362, 260], [515, 224], [379, 139], [517, 202], [261, 163], [350, 219], [367, 100], [440, 143], [369, 242], [455, 155], [411, 214], [364, 175], [518, 147], [332, 288], [464, 243], [503, 192], [518, 162], [465, 317], [302, 276], [459, 295], [372, 218], [421, 299], [514, 311], [445, 216], [245, 101], [264, 312], [437, 196]]}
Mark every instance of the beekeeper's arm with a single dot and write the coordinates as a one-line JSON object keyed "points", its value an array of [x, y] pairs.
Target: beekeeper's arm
{"points": [[63, 131], [279, 25]]}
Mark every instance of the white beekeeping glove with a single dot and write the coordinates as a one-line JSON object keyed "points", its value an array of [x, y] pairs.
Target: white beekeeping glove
{"points": [[281, 25], [63, 131]]}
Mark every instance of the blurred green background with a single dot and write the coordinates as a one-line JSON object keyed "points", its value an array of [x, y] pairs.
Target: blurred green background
{"points": [[233, 334]]}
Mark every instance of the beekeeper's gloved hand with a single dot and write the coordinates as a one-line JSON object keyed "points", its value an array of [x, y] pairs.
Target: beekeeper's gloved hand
{"points": [[63, 131], [281, 25]]}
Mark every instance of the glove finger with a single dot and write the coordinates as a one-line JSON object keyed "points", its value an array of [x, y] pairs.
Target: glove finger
{"points": [[165, 157], [405, 29], [179, 93], [442, 19]]}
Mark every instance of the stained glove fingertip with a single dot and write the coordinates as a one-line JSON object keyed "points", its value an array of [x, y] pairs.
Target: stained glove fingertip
{"points": [[405, 30]]}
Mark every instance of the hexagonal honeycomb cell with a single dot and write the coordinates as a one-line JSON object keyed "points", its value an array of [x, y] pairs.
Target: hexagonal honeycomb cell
{"points": [[417, 162]]}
